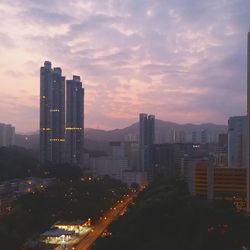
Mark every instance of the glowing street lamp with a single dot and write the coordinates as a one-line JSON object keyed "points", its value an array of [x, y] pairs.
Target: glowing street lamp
{"points": [[62, 237], [89, 222]]}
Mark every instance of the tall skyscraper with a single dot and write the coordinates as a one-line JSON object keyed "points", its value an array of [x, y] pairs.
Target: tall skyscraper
{"points": [[52, 114], [143, 127], [237, 131], [143, 123], [74, 121], [248, 121], [146, 140], [151, 130]]}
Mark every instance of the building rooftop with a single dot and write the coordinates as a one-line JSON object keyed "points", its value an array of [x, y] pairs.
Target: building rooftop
{"points": [[56, 233], [75, 223]]}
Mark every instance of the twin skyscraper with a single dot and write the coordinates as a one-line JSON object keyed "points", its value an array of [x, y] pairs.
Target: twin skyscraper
{"points": [[61, 129]]}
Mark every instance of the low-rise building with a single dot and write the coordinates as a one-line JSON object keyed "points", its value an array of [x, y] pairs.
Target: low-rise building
{"points": [[77, 226], [56, 236], [188, 167], [217, 183]]}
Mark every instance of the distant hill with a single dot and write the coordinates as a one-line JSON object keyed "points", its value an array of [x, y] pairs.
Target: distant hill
{"points": [[98, 139], [161, 128]]}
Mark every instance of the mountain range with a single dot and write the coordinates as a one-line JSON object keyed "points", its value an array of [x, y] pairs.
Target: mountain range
{"points": [[96, 139]]}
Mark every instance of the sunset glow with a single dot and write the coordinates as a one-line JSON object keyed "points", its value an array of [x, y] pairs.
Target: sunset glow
{"points": [[184, 61]]}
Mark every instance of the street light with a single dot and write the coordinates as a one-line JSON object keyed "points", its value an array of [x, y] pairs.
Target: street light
{"points": [[62, 237], [89, 221]]}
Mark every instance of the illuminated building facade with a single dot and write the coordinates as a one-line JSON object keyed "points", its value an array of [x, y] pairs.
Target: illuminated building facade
{"points": [[221, 184], [201, 180], [52, 114], [75, 121], [188, 169]]}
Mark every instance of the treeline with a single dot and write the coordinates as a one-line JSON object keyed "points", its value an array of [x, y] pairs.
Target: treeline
{"points": [[166, 217], [34, 213], [18, 162]]}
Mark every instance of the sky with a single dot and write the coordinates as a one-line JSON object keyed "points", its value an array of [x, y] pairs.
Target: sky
{"points": [[182, 60]]}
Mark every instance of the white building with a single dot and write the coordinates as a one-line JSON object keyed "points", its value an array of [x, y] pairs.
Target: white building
{"points": [[101, 166], [117, 168], [122, 164]]}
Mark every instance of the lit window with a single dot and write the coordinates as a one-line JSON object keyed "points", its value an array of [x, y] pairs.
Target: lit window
{"points": [[45, 129], [56, 139], [70, 128]]}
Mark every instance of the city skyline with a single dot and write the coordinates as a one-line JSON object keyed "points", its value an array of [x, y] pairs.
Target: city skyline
{"points": [[61, 117], [134, 57]]}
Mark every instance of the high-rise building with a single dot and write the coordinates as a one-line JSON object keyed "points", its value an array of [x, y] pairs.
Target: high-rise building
{"points": [[204, 136], [151, 129], [52, 114], [173, 136], [75, 121], [164, 159], [223, 140], [146, 140], [194, 137], [7, 135], [237, 130], [248, 121], [126, 150], [221, 151], [143, 123]]}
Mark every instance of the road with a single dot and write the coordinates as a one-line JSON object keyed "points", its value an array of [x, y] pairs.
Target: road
{"points": [[105, 220]]}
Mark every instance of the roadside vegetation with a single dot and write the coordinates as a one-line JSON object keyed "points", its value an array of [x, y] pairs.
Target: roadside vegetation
{"points": [[34, 213], [71, 197], [166, 217]]}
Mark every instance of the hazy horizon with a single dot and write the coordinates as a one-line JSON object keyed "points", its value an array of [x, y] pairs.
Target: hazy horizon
{"points": [[183, 61], [122, 127]]}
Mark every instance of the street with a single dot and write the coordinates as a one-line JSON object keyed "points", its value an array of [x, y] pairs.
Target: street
{"points": [[103, 223]]}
